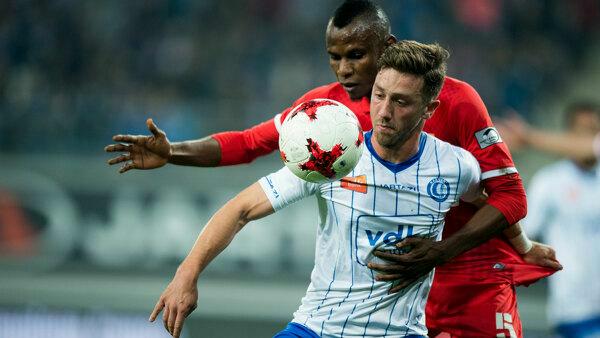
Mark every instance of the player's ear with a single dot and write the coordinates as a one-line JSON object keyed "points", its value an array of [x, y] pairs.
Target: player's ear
{"points": [[391, 39], [430, 109]]}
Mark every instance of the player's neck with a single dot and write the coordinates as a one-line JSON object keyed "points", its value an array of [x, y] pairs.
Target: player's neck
{"points": [[400, 152]]}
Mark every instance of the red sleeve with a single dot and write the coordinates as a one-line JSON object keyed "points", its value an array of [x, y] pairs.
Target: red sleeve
{"points": [[238, 147], [478, 135], [506, 193]]}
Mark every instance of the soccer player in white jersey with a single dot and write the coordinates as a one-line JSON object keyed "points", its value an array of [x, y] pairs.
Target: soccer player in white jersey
{"points": [[403, 185], [564, 211]]}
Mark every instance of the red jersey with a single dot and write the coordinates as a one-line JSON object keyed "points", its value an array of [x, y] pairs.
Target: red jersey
{"points": [[462, 120]]}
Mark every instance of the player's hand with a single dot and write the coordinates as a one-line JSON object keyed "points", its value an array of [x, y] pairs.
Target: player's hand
{"points": [[405, 269], [542, 255], [177, 301], [513, 130], [141, 151]]}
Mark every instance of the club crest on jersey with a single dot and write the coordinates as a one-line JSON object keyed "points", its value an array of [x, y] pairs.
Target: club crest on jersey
{"points": [[438, 189], [487, 136]]}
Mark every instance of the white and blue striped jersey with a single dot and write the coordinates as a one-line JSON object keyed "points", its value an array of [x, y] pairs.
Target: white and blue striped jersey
{"points": [[376, 206], [564, 212]]}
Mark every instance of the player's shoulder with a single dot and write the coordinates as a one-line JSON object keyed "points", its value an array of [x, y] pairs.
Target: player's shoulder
{"points": [[448, 152], [457, 90], [322, 92], [463, 103]]}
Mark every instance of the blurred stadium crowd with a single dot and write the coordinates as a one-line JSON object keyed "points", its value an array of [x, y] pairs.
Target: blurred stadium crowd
{"points": [[74, 72]]}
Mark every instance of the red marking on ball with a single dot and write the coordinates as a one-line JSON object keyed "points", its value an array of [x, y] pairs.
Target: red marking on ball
{"points": [[310, 108], [360, 138], [320, 160]]}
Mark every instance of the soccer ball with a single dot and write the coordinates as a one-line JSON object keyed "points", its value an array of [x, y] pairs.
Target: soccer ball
{"points": [[320, 140]]}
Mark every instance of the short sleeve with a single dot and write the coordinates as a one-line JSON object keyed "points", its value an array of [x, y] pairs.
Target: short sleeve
{"points": [[478, 135], [470, 176], [284, 188]]}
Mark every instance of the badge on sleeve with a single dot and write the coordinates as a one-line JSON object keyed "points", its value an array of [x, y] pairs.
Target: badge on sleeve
{"points": [[487, 136]]}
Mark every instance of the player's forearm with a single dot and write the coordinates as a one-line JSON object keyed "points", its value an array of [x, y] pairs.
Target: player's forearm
{"points": [[485, 224], [248, 205], [214, 238], [512, 231], [518, 239], [573, 146], [205, 152]]}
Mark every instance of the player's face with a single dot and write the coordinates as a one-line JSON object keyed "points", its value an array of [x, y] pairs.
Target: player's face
{"points": [[586, 123], [398, 109], [353, 53]]}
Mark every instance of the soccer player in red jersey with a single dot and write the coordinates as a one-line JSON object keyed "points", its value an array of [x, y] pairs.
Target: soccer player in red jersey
{"points": [[473, 292]]}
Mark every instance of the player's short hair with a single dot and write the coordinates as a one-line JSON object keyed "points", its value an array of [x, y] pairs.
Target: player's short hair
{"points": [[425, 60], [371, 14], [578, 107]]}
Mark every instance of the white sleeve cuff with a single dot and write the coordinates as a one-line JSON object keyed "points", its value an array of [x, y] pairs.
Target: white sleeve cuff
{"points": [[498, 172], [521, 243]]}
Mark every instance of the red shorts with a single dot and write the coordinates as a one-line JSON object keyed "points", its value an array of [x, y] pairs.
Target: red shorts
{"points": [[465, 310]]}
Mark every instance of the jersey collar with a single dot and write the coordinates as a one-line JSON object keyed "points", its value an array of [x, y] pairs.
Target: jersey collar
{"points": [[396, 167]]}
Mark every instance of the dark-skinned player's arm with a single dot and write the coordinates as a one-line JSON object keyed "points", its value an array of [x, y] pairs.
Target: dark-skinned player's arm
{"points": [[475, 232], [426, 253], [532, 252], [180, 297], [226, 148], [221, 149]]}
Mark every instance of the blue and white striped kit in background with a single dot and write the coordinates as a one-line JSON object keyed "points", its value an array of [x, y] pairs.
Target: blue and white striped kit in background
{"points": [[564, 212], [376, 206]]}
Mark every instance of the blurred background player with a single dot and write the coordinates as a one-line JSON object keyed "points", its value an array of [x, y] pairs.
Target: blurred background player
{"points": [[345, 298], [459, 303], [563, 211]]}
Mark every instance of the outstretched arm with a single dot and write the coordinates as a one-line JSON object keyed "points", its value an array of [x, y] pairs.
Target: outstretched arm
{"points": [[220, 149], [531, 251], [181, 295], [518, 134], [205, 152], [574, 146], [226, 148]]}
